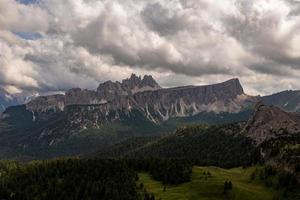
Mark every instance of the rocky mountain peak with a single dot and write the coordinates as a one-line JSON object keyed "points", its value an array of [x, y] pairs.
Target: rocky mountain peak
{"points": [[132, 81], [137, 84], [234, 85], [148, 80], [109, 86], [135, 78], [129, 86], [109, 90], [271, 122]]}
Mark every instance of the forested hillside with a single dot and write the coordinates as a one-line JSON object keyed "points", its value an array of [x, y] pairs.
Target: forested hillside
{"points": [[86, 179], [68, 179], [202, 144]]}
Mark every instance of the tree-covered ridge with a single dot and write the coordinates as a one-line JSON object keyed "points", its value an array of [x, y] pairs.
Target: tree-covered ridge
{"points": [[125, 147], [86, 179], [283, 152], [68, 179], [169, 171], [221, 145]]}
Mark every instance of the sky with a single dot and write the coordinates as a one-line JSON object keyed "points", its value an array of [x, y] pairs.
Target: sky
{"points": [[51, 46]]}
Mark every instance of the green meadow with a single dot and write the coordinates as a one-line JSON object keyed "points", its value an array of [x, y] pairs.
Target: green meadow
{"points": [[211, 187]]}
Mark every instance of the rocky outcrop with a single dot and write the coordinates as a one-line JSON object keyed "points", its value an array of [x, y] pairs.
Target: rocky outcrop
{"points": [[77, 96], [45, 103], [135, 84], [269, 122], [108, 91]]}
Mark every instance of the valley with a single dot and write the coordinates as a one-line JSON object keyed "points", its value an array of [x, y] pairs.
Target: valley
{"points": [[211, 186], [149, 100]]}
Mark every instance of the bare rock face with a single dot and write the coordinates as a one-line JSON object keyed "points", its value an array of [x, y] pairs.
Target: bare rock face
{"points": [[269, 122], [77, 96], [164, 104], [136, 84], [46, 103], [144, 94], [108, 91]]}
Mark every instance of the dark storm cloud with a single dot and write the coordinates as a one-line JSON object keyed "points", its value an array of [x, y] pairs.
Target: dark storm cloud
{"points": [[162, 20], [295, 7]]}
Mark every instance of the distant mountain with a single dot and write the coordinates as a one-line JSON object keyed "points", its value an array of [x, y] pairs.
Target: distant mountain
{"points": [[141, 102], [83, 121], [287, 100], [156, 104]]}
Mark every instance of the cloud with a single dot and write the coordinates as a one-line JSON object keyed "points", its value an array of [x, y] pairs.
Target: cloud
{"points": [[189, 50], [14, 70], [269, 32], [163, 20], [63, 65], [84, 42], [18, 17]]}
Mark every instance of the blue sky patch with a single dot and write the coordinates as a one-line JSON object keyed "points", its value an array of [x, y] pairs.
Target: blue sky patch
{"points": [[27, 1], [28, 35]]}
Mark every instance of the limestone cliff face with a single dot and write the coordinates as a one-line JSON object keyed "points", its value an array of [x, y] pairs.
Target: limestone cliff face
{"points": [[55, 103], [145, 95], [163, 104], [270, 122], [77, 96]]}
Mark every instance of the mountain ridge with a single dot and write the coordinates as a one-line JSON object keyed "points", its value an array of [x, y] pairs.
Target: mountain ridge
{"points": [[108, 91], [157, 103], [84, 121]]}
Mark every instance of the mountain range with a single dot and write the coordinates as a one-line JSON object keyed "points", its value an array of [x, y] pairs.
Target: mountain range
{"points": [[84, 121], [270, 136], [145, 95]]}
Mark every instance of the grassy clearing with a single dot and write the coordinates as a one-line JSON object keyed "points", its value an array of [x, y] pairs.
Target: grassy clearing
{"points": [[206, 187]]}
